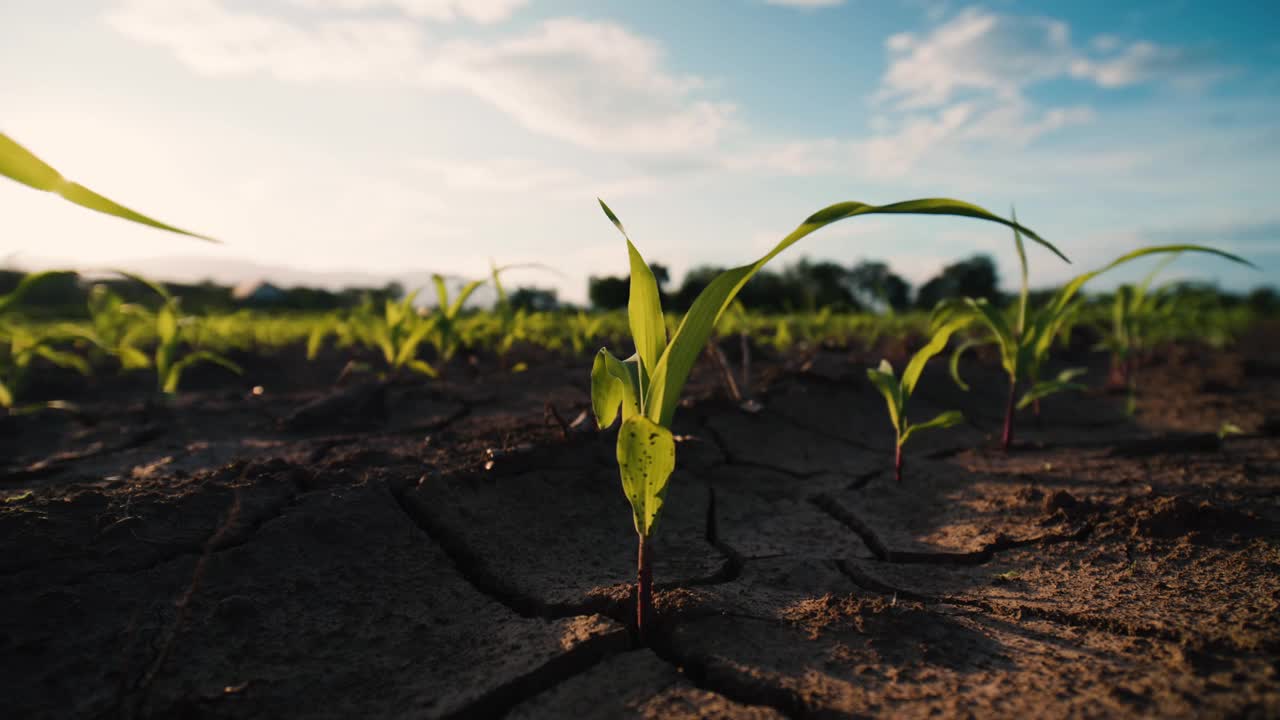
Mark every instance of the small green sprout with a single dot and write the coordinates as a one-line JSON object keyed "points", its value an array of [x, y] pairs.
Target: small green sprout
{"points": [[897, 392], [1134, 313], [396, 332], [511, 321], [19, 347], [645, 388], [1227, 429], [445, 336], [117, 328], [172, 329], [1025, 344]]}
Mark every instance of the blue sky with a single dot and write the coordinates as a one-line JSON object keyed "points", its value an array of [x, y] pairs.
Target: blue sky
{"points": [[394, 135]]}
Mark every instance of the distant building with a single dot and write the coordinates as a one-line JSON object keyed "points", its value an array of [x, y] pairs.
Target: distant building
{"points": [[257, 292]]}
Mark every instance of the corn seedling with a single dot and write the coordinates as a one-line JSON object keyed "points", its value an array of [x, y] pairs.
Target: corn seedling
{"points": [[510, 320], [117, 327], [171, 330], [897, 391], [1025, 344], [19, 347], [1134, 312], [20, 165], [395, 331], [444, 336], [645, 389]]}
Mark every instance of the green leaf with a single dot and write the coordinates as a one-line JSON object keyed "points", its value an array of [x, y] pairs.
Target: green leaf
{"points": [[1069, 291], [669, 376], [911, 375], [64, 359], [175, 373], [409, 345], [943, 420], [27, 282], [166, 324], [19, 164], [463, 294], [955, 361], [422, 367], [1022, 261], [317, 336], [1063, 382], [888, 386], [442, 295], [131, 358], [614, 385], [646, 459], [644, 306], [155, 287], [6, 397]]}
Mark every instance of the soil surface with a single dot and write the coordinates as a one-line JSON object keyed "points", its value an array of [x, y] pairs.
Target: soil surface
{"points": [[461, 548]]}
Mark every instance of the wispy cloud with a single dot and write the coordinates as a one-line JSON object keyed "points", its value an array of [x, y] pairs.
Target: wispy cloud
{"points": [[481, 11], [968, 81], [806, 4], [1143, 62], [594, 84]]}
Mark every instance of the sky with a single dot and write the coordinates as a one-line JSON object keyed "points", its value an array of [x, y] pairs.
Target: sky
{"points": [[394, 135]]}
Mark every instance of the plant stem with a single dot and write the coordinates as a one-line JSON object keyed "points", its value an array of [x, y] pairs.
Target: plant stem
{"points": [[644, 589], [897, 463], [1007, 439]]}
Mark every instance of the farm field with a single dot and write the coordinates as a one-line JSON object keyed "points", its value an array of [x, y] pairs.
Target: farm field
{"points": [[272, 544]]}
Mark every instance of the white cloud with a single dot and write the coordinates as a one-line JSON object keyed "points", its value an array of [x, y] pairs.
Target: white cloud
{"points": [[481, 11], [975, 51], [966, 81], [807, 4], [593, 84], [1143, 62], [215, 41]]}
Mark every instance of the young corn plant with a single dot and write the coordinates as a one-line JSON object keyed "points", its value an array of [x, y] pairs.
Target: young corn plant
{"points": [[510, 320], [1133, 314], [171, 331], [395, 331], [897, 391], [19, 347], [445, 335], [645, 388], [118, 328], [1024, 345]]}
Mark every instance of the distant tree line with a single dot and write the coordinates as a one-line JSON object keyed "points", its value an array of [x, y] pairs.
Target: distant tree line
{"points": [[869, 286], [67, 295]]}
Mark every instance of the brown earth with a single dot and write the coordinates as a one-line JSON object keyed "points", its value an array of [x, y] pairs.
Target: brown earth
{"points": [[450, 549]]}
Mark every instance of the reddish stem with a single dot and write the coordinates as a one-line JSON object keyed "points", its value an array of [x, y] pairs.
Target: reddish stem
{"points": [[897, 464], [1007, 439], [644, 589]]}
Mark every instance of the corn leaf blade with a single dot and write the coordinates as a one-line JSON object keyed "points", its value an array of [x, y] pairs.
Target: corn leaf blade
{"points": [[614, 386], [943, 420], [887, 384], [21, 165], [646, 459], [936, 344], [673, 368]]}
